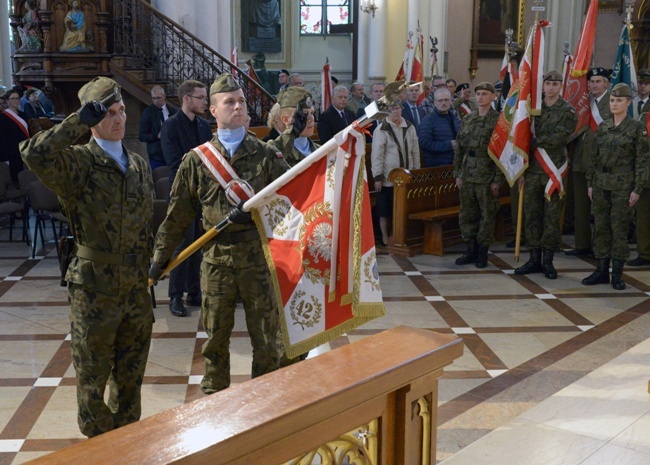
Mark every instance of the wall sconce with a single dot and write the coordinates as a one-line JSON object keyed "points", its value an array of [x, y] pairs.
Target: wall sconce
{"points": [[369, 6]]}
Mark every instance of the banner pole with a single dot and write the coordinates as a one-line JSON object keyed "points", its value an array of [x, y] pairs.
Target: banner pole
{"points": [[520, 215]]}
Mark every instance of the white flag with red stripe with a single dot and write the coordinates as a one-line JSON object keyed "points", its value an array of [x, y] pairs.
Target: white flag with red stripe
{"points": [[316, 228]]}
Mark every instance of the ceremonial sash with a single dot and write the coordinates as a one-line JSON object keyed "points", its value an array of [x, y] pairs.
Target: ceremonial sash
{"points": [[223, 172], [595, 119], [21, 123], [465, 109], [555, 175]]}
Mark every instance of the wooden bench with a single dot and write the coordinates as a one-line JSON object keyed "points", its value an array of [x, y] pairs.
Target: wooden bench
{"points": [[425, 211]]}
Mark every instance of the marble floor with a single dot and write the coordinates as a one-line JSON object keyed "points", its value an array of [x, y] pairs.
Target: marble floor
{"points": [[553, 372]]}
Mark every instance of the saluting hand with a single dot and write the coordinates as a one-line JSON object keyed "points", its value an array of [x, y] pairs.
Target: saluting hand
{"points": [[92, 113]]}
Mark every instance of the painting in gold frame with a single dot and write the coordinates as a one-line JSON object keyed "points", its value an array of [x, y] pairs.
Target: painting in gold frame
{"points": [[491, 20]]}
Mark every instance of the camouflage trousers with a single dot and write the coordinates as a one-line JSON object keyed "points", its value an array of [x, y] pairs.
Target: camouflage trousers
{"points": [[612, 215], [478, 211], [221, 285], [110, 336], [542, 216]]}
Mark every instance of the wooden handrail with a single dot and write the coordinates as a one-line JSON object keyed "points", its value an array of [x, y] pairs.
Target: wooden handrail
{"points": [[375, 387]]}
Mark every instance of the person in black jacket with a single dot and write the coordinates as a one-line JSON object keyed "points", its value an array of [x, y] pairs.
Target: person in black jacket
{"points": [[181, 133], [151, 122], [336, 117]]}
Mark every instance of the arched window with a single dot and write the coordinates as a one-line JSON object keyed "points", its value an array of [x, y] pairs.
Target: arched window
{"points": [[316, 16]]}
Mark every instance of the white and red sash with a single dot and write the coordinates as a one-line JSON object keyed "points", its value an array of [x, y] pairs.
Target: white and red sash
{"points": [[223, 172], [594, 119], [464, 109], [21, 123], [555, 175]]}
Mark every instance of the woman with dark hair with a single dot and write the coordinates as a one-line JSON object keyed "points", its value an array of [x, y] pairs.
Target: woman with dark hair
{"points": [[13, 130], [33, 108]]}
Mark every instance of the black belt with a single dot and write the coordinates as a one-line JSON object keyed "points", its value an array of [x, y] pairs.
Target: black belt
{"points": [[233, 237], [471, 153], [128, 259], [617, 169]]}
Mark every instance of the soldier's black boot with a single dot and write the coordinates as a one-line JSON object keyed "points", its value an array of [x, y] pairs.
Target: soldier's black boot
{"points": [[482, 258], [533, 265], [470, 255], [547, 264], [600, 276], [617, 275]]}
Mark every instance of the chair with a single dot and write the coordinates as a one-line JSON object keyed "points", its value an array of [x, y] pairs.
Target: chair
{"points": [[160, 172], [12, 192], [12, 209], [162, 189], [159, 214], [45, 204]]}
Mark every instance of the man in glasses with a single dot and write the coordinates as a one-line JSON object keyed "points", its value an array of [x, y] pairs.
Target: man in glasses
{"points": [[437, 82], [151, 121], [180, 134]]}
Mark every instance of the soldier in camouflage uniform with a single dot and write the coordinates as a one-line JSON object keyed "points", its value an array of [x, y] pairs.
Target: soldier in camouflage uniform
{"points": [[233, 262], [643, 219], [618, 172], [107, 194], [543, 204], [478, 178], [295, 147]]}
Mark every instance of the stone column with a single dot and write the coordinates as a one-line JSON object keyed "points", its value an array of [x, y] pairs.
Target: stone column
{"points": [[5, 49], [363, 46], [437, 28], [377, 45]]}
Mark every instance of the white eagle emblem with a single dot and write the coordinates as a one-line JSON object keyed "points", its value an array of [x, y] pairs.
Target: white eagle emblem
{"points": [[320, 243]]}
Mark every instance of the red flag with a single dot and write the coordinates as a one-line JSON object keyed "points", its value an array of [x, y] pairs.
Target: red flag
{"points": [[251, 72], [316, 228], [586, 44], [417, 72], [510, 142], [404, 72], [326, 87], [234, 60]]}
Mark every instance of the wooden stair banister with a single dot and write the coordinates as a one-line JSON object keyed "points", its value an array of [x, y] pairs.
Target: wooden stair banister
{"points": [[381, 390]]}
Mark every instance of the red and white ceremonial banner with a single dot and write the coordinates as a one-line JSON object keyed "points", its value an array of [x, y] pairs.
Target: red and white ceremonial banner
{"points": [[585, 46], [510, 142], [326, 87], [316, 229]]}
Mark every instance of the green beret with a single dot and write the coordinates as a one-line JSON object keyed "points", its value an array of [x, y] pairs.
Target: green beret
{"points": [[484, 86], [101, 89], [224, 83], [644, 75], [294, 96], [621, 90], [553, 75]]}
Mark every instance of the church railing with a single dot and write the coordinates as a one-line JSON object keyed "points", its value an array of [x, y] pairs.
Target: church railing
{"points": [[372, 402], [157, 49]]}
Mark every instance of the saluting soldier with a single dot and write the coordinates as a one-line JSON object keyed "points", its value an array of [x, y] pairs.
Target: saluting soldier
{"points": [[478, 178], [598, 82], [618, 172], [296, 145], [233, 262], [543, 180], [462, 104], [107, 194]]}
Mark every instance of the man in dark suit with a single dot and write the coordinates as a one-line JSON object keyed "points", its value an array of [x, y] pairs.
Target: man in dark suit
{"points": [[336, 117], [181, 133], [411, 112], [151, 122]]}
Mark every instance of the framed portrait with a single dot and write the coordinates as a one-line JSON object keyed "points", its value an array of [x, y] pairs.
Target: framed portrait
{"points": [[492, 18], [607, 5]]}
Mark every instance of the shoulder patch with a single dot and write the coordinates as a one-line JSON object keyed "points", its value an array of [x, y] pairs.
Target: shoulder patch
{"points": [[279, 155]]}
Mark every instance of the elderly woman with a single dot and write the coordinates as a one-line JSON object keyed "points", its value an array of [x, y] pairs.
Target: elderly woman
{"points": [[274, 123], [618, 172], [394, 145]]}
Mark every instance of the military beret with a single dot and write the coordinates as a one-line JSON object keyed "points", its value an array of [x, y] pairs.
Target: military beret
{"points": [[553, 75], [102, 89], [484, 86], [284, 71], [462, 87], [498, 85], [334, 80], [294, 96], [224, 83], [602, 72], [644, 75], [621, 90]]}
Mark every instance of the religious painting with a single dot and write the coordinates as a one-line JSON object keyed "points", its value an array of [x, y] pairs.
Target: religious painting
{"points": [[261, 26], [492, 18], [607, 5]]}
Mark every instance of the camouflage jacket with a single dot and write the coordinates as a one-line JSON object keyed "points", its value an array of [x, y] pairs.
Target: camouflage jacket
{"points": [[620, 158], [109, 211], [471, 161], [583, 144], [285, 144], [553, 128], [196, 190]]}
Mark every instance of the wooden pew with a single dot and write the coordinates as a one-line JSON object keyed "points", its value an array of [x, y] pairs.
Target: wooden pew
{"points": [[425, 211], [375, 399]]}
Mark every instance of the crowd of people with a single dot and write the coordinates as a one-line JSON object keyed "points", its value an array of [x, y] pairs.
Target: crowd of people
{"points": [[107, 193]]}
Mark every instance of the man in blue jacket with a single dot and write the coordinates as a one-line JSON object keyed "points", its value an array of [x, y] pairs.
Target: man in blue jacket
{"points": [[438, 131]]}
